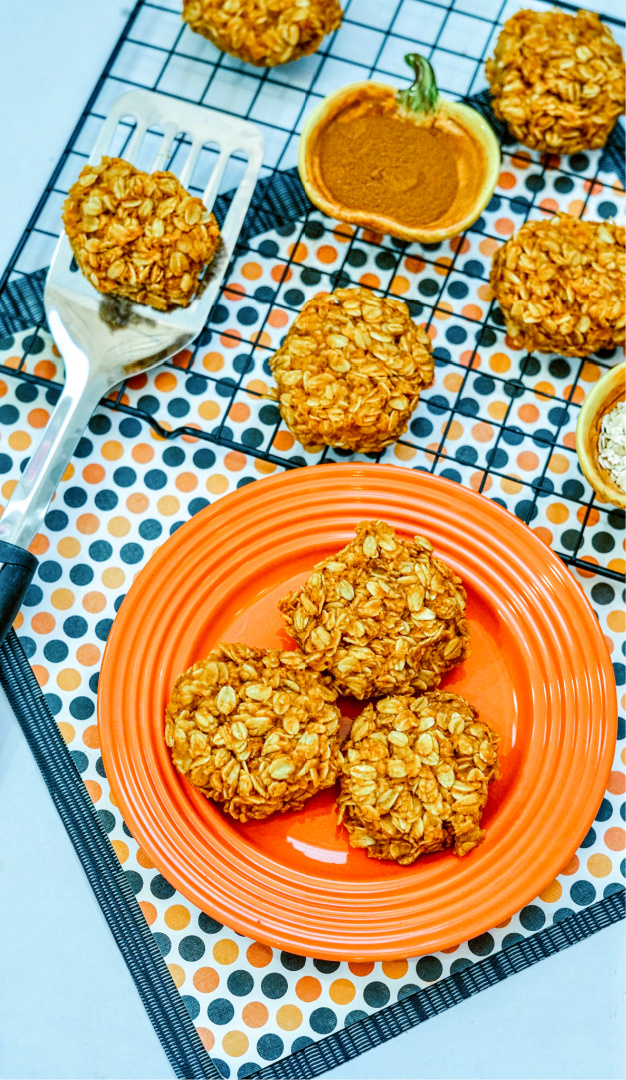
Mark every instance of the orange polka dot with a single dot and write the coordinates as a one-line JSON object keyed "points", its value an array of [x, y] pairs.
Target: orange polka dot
{"points": [[8, 488], [459, 244], [289, 1017], [226, 951], [234, 292], [168, 505], [118, 526], [239, 412], [551, 893], [68, 474], [120, 849], [499, 362], [544, 534], [235, 1043], [452, 430], [178, 975], [395, 969], [257, 386], [527, 460], [264, 467], [497, 409], [453, 381], [557, 513], [208, 410], [177, 917], [44, 369], [488, 246], [399, 285], [571, 867], [476, 480], [414, 265], [87, 523], [558, 463], [280, 273], [18, 621], [230, 338], [587, 573], [590, 372], [442, 265], [297, 252], [277, 318], [327, 254], [137, 382], [485, 292], [113, 577], [575, 394], [549, 204], [95, 793], [616, 621], [371, 281], [186, 481], [206, 980], [482, 432], [191, 438], [149, 912], [615, 838], [528, 414], [255, 1014], [62, 599], [87, 655], [259, 955], [19, 440], [112, 450], [69, 679], [361, 968], [261, 338], [617, 783], [206, 1038], [343, 232], [504, 226], [38, 418], [43, 622], [308, 988], [142, 453], [521, 159], [511, 485], [144, 859], [213, 361], [609, 643], [342, 991], [40, 674], [404, 453], [252, 271], [569, 440], [506, 180], [67, 731], [443, 310], [235, 461], [576, 208], [166, 381], [599, 865], [91, 737], [217, 484], [93, 474], [182, 358], [472, 311], [283, 440], [619, 565], [469, 359], [39, 545]]}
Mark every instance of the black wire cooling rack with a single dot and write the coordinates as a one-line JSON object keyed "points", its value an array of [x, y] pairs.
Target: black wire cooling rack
{"points": [[154, 50]]}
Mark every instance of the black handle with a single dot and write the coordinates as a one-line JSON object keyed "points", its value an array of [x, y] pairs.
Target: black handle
{"points": [[15, 576]]}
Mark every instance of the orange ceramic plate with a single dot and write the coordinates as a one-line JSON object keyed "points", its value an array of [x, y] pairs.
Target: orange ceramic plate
{"points": [[539, 673]]}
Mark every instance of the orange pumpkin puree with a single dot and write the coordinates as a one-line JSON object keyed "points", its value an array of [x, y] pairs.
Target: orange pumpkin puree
{"points": [[373, 159]]}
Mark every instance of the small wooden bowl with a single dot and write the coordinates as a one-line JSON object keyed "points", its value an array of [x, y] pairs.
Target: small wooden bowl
{"points": [[605, 395]]}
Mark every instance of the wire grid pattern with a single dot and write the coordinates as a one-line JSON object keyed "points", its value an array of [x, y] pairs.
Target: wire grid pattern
{"points": [[158, 52]]}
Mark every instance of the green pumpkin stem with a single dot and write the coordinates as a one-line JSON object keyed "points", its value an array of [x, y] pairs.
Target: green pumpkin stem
{"points": [[422, 96]]}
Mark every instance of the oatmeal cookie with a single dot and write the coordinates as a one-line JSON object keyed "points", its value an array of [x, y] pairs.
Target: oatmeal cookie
{"points": [[255, 729], [350, 371], [383, 615], [139, 235], [415, 777], [557, 80], [264, 32], [560, 285]]}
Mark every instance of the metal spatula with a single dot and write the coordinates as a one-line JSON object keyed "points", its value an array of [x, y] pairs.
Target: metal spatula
{"points": [[103, 340]]}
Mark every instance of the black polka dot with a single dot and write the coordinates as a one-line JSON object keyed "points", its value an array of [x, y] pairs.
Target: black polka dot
{"points": [[264, 294], [376, 994], [220, 1011], [605, 811], [135, 880], [291, 961], [429, 968], [129, 428], [526, 510], [54, 703], [603, 541], [589, 840], [240, 983], [204, 458], [80, 759], [75, 626], [270, 1047], [458, 289], [131, 553], [173, 456], [196, 505], [124, 476], [603, 593], [582, 893], [456, 335], [573, 489], [161, 888], [28, 646], [100, 769], [248, 1067], [569, 539], [309, 276], [243, 363], [191, 947], [178, 407], [607, 209], [82, 708], [107, 820], [354, 1017], [299, 1043], [106, 499], [247, 316], [274, 985], [150, 529], [103, 629], [564, 184], [219, 314], [313, 230], [100, 550], [428, 286], [511, 939], [481, 945], [192, 1005], [323, 1021], [49, 571], [56, 520], [460, 965], [532, 917], [207, 924], [75, 497], [5, 463], [294, 297], [99, 424]]}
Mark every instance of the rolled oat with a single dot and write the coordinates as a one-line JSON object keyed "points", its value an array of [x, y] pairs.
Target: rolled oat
{"points": [[254, 729], [351, 370], [560, 285], [264, 32], [557, 80], [415, 777], [139, 235], [383, 615]]}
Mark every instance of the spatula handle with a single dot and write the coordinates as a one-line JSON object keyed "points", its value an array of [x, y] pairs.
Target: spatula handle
{"points": [[16, 572]]}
